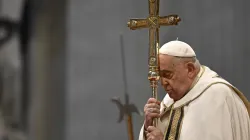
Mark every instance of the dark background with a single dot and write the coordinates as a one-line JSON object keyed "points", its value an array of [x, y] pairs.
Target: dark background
{"points": [[76, 68]]}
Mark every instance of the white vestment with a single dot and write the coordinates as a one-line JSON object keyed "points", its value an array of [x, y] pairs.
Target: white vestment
{"points": [[211, 110]]}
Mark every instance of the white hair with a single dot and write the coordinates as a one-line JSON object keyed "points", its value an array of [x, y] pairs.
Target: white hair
{"points": [[194, 60]]}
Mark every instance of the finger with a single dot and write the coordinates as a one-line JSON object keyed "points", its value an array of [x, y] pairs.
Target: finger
{"points": [[150, 129], [152, 105], [153, 115], [148, 135], [153, 110], [151, 137], [153, 100]]}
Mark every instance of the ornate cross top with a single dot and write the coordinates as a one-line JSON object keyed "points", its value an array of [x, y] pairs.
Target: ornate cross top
{"points": [[153, 22]]}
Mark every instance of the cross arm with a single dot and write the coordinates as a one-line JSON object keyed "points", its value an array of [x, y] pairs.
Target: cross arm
{"points": [[134, 24], [169, 20]]}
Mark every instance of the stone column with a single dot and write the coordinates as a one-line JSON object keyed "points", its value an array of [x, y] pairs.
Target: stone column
{"points": [[47, 70]]}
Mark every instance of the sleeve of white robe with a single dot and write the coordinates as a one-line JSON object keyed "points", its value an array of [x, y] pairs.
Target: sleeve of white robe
{"points": [[141, 135], [218, 114]]}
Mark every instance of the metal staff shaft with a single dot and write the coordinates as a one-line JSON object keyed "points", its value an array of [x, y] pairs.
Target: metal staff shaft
{"points": [[153, 22], [153, 63]]}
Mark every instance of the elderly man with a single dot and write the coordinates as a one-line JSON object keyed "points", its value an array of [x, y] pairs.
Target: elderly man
{"points": [[199, 104]]}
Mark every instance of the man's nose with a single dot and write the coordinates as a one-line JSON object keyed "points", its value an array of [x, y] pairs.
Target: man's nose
{"points": [[164, 81]]}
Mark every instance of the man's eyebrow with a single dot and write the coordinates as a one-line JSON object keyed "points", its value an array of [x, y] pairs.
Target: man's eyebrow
{"points": [[165, 71]]}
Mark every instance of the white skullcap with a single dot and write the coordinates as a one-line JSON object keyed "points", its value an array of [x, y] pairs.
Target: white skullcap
{"points": [[177, 48]]}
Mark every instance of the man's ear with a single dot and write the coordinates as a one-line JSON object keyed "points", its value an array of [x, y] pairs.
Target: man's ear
{"points": [[191, 69]]}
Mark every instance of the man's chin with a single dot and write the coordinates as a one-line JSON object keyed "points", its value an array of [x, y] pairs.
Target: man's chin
{"points": [[171, 95]]}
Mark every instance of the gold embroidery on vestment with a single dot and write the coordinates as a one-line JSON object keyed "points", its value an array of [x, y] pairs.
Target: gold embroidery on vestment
{"points": [[174, 127]]}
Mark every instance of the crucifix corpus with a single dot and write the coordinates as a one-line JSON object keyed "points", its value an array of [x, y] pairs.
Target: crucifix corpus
{"points": [[153, 22]]}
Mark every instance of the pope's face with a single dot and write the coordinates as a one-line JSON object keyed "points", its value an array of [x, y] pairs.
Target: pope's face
{"points": [[174, 76]]}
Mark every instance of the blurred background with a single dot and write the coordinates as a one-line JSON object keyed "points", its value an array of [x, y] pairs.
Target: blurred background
{"points": [[61, 61]]}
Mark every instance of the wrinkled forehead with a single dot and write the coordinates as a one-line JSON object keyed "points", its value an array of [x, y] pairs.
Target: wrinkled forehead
{"points": [[166, 62]]}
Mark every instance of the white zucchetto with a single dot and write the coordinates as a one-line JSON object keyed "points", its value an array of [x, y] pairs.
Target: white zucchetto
{"points": [[177, 48]]}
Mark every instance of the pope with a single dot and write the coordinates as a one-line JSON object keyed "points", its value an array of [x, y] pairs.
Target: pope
{"points": [[199, 104]]}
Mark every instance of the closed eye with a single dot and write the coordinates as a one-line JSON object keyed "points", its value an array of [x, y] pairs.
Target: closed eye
{"points": [[166, 74]]}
